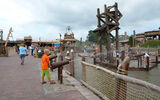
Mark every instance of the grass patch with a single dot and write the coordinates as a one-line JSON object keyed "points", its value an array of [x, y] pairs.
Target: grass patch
{"points": [[151, 44]]}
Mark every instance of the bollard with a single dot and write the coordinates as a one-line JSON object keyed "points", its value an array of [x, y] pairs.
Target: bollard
{"points": [[121, 85], [83, 70]]}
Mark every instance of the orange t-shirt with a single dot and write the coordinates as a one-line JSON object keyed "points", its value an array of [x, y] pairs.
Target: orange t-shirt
{"points": [[45, 62]]}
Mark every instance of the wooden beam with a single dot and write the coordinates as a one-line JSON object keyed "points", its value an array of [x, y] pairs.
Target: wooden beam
{"points": [[117, 35], [108, 44], [113, 28], [98, 15], [10, 30]]}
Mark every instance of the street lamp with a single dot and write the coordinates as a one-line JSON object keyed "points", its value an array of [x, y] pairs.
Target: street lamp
{"points": [[60, 39]]}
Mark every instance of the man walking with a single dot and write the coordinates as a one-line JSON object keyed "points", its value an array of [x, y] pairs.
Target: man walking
{"points": [[32, 49], [22, 52]]}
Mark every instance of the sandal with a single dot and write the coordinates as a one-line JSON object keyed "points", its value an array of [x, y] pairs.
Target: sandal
{"points": [[53, 82], [43, 82]]}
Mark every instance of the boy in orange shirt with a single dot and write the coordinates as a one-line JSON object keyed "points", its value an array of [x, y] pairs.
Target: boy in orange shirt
{"points": [[45, 66]]}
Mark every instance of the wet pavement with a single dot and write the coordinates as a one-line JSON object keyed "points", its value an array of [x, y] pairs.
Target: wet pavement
{"points": [[22, 82]]}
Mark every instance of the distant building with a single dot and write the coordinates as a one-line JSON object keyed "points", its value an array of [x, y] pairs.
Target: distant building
{"points": [[69, 39], [149, 35], [123, 37], [20, 39], [153, 35]]}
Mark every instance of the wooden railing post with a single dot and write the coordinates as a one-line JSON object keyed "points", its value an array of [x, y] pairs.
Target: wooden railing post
{"points": [[72, 64], [117, 59], [147, 65], [94, 58], [83, 70], [156, 60], [60, 71], [121, 87], [138, 61], [6, 51], [158, 51], [122, 55], [141, 60]]}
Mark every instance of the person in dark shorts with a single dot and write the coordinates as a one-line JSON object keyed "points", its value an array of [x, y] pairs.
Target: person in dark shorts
{"points": [[22, 53]]}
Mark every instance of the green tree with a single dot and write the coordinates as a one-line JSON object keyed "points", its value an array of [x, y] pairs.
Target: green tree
{"points": [[130, 42], [94, 37]]}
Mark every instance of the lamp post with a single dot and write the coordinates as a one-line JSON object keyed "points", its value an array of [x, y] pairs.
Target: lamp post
{"points": [[1, 36]]}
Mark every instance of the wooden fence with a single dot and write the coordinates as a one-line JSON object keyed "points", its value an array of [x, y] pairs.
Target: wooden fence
{"points": [[115, 86]]}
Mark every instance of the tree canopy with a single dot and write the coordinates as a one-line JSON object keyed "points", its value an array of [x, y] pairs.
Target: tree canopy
{"points": [[94, 36]]}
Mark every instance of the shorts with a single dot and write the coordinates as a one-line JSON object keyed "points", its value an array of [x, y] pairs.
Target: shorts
{"points": [[45, 72]]}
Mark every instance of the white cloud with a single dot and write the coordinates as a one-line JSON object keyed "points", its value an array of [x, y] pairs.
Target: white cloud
{"points": [[11, 12], [48, 18]]}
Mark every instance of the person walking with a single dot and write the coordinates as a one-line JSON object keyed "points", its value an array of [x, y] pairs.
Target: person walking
{"points": [[17, 49], [32, 49], [22, 53], [96, 49], [85, 49]]}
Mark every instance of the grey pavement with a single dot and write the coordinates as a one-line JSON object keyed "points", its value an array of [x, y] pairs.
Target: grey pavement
{"points": [[22, 82]]}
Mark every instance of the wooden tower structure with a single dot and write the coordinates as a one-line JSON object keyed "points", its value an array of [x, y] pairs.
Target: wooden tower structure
{"points": [[108, 21]]}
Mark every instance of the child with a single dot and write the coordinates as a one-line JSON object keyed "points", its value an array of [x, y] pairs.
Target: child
{"points": [[45, 66]]}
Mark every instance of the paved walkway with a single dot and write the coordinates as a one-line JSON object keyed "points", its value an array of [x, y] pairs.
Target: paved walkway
{"points": [[22, 82]]}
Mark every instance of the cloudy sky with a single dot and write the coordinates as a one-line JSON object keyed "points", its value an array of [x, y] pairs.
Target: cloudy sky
{"points": [[48, 18]]}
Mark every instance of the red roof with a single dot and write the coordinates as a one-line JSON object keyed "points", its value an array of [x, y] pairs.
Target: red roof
{"points": [[69, 39]]}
